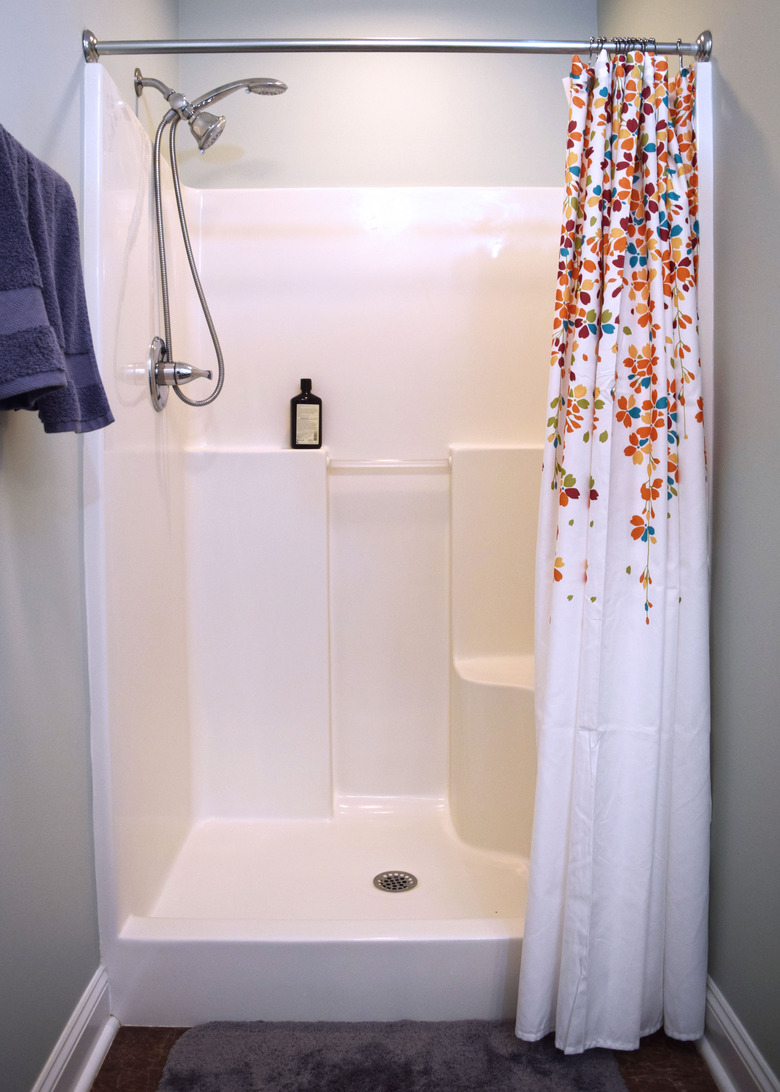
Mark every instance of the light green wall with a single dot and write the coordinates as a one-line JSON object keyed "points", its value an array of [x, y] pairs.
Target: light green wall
{"points": [[745, 913], [48, 920], [386, 119]]}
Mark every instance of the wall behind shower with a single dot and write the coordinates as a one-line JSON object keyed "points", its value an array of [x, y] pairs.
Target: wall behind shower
{"points": [[387, 119]]}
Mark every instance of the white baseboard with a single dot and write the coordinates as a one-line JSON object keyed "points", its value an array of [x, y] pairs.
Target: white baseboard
{"points": [[84, 1043], [731, 1055]]}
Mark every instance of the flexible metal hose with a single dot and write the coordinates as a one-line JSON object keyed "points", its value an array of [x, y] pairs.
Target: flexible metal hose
{"points": [[172, 118]]}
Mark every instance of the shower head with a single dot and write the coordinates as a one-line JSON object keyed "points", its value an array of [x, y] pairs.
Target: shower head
{"points": [[206, 128]]}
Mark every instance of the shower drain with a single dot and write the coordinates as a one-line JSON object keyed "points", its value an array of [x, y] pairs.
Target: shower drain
{"points": [[395, 881]]}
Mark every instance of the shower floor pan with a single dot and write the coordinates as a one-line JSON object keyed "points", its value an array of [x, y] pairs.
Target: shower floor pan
{"points": [[281, 920]]}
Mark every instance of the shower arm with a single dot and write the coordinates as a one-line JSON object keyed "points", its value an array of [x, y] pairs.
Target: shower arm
{"points": [[178, 103]]}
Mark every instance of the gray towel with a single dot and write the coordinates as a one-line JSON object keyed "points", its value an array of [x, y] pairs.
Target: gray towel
{"points": [[47, 361]]}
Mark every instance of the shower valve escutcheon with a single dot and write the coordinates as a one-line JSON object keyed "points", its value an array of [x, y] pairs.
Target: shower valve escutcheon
{"points": [[164, 373]]}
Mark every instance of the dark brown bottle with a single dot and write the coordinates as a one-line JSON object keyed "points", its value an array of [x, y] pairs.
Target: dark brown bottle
{"points": [[306, 418]]}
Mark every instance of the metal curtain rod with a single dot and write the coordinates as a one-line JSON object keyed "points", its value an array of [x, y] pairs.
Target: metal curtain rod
{"points": [[701, 49]]}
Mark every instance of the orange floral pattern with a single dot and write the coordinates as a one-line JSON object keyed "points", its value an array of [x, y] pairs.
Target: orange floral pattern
{"points": [[625, 389]]}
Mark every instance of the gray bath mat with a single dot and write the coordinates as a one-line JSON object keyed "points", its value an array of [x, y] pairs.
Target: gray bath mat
{"points": [[406, 1056]]}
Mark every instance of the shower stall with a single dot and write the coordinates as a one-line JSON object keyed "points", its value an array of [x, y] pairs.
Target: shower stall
{"points": [[313, 670]]}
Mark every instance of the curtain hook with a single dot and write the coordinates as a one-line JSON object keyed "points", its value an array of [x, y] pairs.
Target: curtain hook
{"points": [[679, 53], [590, 51]]}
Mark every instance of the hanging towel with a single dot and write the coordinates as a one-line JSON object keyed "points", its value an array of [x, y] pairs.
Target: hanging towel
{"points": [[47, 361]]}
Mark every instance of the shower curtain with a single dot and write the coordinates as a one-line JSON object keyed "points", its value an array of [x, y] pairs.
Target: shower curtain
{"points": [[615, 935]]}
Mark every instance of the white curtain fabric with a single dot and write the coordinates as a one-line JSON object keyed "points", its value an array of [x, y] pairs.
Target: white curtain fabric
{"points": [[615, 941]]}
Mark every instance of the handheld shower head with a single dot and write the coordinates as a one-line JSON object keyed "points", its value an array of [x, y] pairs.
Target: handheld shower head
{"points": [[256, 85], [266, 86]]}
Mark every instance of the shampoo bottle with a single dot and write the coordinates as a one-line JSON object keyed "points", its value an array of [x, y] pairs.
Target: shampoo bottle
{"points": [[306, 418]]}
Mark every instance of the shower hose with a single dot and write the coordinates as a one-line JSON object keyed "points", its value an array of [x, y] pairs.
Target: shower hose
{"points": [[173, 119]]}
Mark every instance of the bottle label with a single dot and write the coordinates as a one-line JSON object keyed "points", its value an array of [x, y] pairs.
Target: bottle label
{"points": [[307, 425]]}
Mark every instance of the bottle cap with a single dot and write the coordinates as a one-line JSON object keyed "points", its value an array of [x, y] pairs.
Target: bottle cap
{"points": [[306, 385]]}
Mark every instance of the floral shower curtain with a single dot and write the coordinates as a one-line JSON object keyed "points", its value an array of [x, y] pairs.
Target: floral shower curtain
{"points": [[615, 935]]}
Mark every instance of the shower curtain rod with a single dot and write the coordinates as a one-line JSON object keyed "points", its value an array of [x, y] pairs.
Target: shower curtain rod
{"points": [[701, 49]]}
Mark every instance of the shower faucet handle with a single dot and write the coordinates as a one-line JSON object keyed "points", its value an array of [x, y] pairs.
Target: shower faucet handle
{"points": [[169, 373]]}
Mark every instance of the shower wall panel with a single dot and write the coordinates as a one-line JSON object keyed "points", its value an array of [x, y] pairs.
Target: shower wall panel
{"points": [[423, 316], [258, 634], [135, 531], [390, 632]]}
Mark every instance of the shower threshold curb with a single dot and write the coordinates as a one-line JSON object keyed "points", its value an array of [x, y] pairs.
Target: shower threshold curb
{"points": [[314, 931]]}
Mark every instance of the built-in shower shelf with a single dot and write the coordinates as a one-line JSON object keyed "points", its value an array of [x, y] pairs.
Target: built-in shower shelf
{"points": [[497, 670], [409, 466]]}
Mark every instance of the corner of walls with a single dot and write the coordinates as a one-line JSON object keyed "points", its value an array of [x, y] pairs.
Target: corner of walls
{"points": [[78, 1053], [745, 903], [733, 1059]]}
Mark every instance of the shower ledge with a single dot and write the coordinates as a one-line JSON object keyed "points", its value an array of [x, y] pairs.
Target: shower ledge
{"points": [[497, 670]]}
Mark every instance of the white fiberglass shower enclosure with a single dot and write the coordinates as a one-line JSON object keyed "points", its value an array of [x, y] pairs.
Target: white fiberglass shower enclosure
{"points": [[312, 667]]}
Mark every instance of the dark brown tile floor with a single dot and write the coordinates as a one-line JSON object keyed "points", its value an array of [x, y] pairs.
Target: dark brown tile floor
{"points": [[664, 1065], [136, 1059], [137, 1056]]}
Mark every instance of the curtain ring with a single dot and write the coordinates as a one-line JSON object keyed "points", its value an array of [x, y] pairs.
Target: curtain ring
{"points": [[679, 53], [590, 51]]}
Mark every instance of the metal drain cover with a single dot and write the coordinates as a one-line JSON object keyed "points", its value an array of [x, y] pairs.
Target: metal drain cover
{"points": [[395, 881]]}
